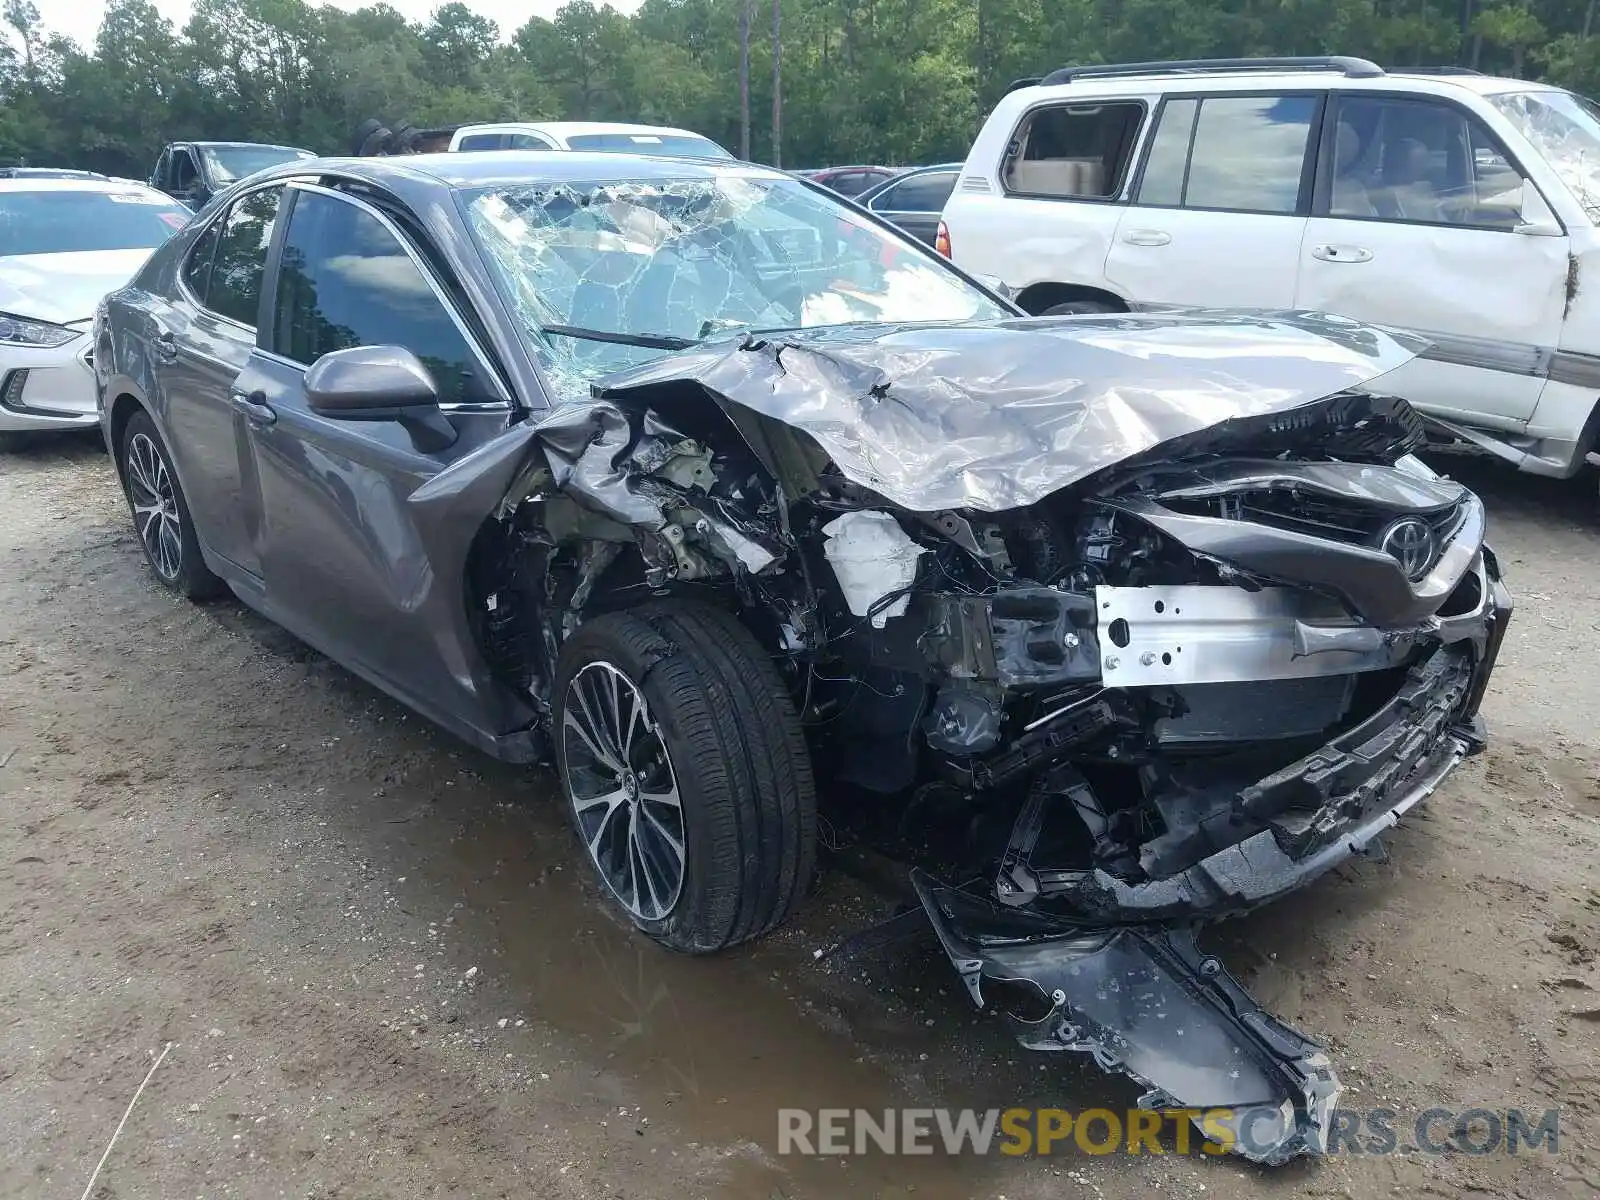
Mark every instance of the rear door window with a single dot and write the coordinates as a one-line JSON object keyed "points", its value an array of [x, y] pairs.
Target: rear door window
{"points": [[197, 267], [483, 141], [1232, 153], [234, 287]]}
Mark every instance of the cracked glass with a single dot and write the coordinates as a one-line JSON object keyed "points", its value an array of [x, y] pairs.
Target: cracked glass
{"points": [[612, 274], [1565, 130]]}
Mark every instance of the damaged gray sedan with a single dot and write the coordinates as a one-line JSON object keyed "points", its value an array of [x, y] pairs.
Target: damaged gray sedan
{"points": [[728, 500]]}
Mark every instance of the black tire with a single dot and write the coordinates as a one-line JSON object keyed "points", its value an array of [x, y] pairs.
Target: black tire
{"points": [[363, 135], [167, 539], [737, 759], [1079, 307]]}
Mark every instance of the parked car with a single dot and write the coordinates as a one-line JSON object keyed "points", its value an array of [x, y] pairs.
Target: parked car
{"points": [[193, 172], [604, 137], [850, 181], [1143, 618], [913, 200], [64, 243], [1457, 205], [47, 173]]}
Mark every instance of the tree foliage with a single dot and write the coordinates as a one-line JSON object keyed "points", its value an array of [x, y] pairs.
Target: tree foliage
{"points": [[894, 81]]}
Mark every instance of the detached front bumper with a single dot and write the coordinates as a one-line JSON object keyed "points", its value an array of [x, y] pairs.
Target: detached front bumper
{"points": [[1084, 960]]}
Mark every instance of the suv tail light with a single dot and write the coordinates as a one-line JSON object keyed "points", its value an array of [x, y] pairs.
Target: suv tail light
{"points": [[941, 240]]}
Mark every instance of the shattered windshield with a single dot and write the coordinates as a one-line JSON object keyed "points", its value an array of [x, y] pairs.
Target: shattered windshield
{"points": [[1565, 130], [608, 275]]}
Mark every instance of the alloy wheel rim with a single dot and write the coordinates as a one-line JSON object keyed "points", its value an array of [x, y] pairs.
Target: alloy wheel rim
{"points": [[623, 790], [155, 506]]}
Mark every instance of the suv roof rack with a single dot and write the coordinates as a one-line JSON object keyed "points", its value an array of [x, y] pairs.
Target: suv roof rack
{"points": [[1019, 84], [1353, 68], [1437, 71]]}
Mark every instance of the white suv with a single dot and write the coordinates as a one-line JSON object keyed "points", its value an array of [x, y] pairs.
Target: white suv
{"points": [[1457, 205], [600, 137]]}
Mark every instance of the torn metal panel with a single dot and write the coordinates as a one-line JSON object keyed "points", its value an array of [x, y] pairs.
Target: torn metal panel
{"points": [[1376, 584], [585, 447], [1190, 633], [991, 417], [1147, 1002]]}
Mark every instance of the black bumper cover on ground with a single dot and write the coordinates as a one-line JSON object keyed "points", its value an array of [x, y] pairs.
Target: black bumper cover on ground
{"points": [[1116, 971]]}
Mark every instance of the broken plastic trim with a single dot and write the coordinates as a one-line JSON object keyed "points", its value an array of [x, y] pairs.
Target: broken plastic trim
{"points": [[1149, 1003]]}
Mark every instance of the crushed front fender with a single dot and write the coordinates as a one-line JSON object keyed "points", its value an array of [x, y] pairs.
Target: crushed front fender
{"points": [[1146, 1001]]}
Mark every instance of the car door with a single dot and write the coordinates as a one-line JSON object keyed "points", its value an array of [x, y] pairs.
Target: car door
{"points": [[202, 342], [1416, 224], [1220, 205], [915, 202], [341, 558], [188, 184]]}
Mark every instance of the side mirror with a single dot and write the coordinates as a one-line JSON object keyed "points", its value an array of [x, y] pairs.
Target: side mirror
{"points": [[380, 383], [1534, 218]]}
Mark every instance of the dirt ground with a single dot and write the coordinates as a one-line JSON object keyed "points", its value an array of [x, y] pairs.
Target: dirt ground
{"points": [[383, 974]]}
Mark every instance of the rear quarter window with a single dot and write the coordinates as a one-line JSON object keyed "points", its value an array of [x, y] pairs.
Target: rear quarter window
{"points": [[1073, 151]]}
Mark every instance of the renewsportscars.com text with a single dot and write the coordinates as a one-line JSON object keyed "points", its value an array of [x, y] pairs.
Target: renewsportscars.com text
{"points": [[1022, 1131]]}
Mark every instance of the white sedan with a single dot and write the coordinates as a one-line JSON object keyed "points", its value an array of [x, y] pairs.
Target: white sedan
{"points": [[65, 243]]}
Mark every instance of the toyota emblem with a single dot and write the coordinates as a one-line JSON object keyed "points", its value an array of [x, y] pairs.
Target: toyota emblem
{"points": [[1410, 542]]}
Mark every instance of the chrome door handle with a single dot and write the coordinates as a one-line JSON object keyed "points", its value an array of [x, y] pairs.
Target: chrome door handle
{"points": [[254, 405], [1147, 237], [1342, 254]]}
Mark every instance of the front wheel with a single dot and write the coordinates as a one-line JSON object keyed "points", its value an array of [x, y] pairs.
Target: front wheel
{"points": [[160, 512], [686, 773]]}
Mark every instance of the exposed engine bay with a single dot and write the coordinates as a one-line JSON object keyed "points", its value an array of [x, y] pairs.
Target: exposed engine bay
{"points": [[1140, 664]]}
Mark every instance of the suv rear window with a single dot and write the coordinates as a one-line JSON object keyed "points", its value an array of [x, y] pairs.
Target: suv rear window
{"points": [[1238, 153], [1080, 151]]}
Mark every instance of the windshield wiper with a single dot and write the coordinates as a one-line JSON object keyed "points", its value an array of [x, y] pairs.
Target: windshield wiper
{"points": [[650, 341]]}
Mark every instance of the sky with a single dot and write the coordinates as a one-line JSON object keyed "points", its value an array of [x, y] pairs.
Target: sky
{"points": [[80, 19]]}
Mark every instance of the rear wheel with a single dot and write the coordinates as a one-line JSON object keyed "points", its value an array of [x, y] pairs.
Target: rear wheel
{"points": [[160, 513], [686, 773]]}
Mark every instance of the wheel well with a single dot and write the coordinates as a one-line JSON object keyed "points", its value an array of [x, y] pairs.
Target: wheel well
{"points": [[122, 410], [1040, 296]]}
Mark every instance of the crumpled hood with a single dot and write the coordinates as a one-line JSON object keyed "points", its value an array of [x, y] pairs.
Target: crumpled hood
{"points": [[997, 416], [64, 288]]}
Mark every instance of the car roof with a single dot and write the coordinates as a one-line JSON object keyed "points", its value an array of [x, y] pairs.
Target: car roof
{"points": [[48, 173], [1157, 82], [246, 146], [490, 168], [578, 128], [115, 186]]}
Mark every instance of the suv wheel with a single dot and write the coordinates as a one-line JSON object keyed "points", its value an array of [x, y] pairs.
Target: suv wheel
{"points": [[160, 513], [686, 773]]}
